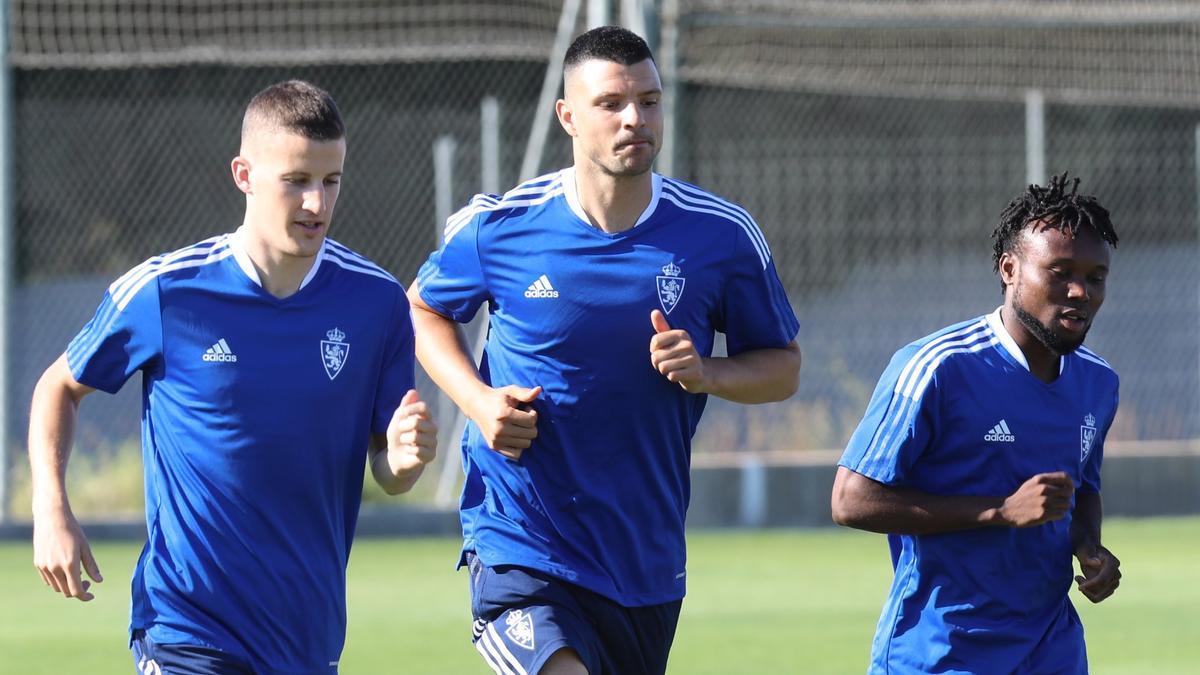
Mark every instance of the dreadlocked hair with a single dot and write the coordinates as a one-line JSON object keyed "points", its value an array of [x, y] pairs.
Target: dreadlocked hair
{"points": [[1058, 205]]}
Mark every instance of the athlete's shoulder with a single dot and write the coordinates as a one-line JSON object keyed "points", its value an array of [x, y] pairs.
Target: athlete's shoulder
{"points": [[706, 208], [490, 209], [689, 197], [1095, 365], [181, 261], [952, 333], [962, 340], [349, 261]]}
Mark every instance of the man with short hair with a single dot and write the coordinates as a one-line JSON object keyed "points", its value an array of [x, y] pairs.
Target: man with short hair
{"points": [[980, 454], [605, 283], [274, 361]]}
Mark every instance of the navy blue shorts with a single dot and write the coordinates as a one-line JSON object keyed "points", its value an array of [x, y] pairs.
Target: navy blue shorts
{"points": [[523, 616], [151, 658]]}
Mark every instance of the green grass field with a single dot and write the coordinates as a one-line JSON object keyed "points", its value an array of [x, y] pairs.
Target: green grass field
{"points": [[789, 601]]}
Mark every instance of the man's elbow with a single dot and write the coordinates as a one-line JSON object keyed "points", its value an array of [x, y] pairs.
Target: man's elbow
{"points": [[393, 485], [842, 512], [787, 374], [58, 383], [845, 502], [395, 488]]}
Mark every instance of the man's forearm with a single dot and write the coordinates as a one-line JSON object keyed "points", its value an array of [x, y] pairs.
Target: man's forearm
{"points": [[392, 480], [52, 416], [864, 504], [441, 347], [757, 376], [1086, 519], [443, 352]]}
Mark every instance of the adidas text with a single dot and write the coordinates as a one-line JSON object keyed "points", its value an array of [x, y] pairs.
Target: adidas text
{"points": [[220, 353], [1000, 434], [541, 288]]}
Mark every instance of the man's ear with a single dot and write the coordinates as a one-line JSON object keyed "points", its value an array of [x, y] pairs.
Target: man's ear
{"points": [[1009, 268], [240, 166], [566, 116]]}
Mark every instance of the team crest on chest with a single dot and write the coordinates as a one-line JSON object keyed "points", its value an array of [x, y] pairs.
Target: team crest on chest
{"points": [[670, 287], [520, 628], [1087, 434], [334, 352]]}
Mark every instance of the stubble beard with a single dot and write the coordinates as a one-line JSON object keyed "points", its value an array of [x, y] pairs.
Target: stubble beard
{"points": [[1046, 335]]}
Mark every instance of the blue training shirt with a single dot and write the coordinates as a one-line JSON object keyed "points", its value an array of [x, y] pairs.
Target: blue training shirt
{"points": [[959, 413], [256, 418], [599, 499]]}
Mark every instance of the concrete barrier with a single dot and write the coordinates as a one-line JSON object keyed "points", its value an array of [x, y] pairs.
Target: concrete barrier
{"points": [[1142, 479]]}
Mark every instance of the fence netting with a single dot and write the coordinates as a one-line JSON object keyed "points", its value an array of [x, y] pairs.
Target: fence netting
{"points": [[875, 142]]}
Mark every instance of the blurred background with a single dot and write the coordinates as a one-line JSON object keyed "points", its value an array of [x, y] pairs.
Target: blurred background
{"points": [[875, 142]]}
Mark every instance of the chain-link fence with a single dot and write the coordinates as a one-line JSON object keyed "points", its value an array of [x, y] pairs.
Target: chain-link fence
{"points": [[875, 143]]}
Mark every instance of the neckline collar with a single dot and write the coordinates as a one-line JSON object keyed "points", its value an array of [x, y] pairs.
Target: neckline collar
{"points": [[238, 246], [1010, 345], [571, 192]]}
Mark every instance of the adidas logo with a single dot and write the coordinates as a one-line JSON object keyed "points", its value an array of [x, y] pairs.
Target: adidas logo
{"points": [[220, 353], [1000, 434], [541, 289]]}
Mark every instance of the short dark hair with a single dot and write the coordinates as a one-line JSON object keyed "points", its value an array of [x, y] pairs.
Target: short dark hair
{"points": [[607, 43], [1057, 208], [295, 106]]}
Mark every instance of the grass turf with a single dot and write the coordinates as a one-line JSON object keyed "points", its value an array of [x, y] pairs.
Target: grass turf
{"points": [[783, 601]]}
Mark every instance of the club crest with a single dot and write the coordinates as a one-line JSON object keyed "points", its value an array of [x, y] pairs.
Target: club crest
{"points": [[670, 287], [520, 628], [334, 352], [1087, 434]]}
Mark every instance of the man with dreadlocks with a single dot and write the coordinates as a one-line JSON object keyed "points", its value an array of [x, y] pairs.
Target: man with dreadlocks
{"points": [[979, 455]]}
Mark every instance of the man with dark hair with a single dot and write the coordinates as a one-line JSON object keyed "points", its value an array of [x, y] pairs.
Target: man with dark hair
{"points": [[274, 362], [605, 283], [980, 454]]}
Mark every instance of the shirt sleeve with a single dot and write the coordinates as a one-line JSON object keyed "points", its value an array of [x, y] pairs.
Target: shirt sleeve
{"points": [[755, 312], [1089, 475], [899, 424], [451, 281], [396, 376], [124, 336]]}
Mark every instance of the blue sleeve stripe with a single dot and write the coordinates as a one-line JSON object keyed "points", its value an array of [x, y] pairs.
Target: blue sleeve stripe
{"points": [[84, 344], [123, 292], [461, 221], [428, 271], [695, 195], [667, 194], [911, 384], [783, 311]]}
